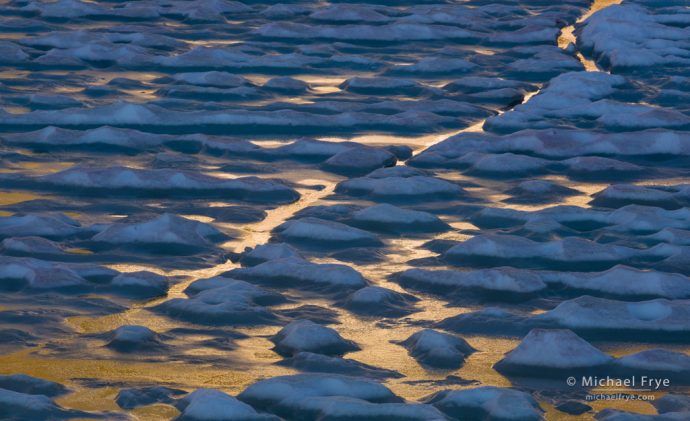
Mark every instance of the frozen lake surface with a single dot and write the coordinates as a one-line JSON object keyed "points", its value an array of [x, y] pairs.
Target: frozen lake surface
{"points": [[376, 210]]}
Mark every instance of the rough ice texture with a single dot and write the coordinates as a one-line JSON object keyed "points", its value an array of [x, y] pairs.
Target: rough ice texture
{"points": [[436, 349], [48, 225]]}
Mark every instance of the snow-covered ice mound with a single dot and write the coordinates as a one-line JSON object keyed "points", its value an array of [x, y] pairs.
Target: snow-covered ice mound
{"points": [[400, 183], [266, 252], [165, 233], [630, 37], [31, 246], [53, 138], [538, 191], [223, 301], [359, 161], [128, 181], [506, 283], [318, 363], [569, 252], [657, 363], [386, 217], [212, 404], [131, 398], [373, 300], [307, 336], [622, 281], [48, 225], [134, 338], [298, 273], [140, 284], [321, 233], [585, 96], [30, 406], [329, 396], [437, 350], [555, 352], [589, 317], [487, 403], [32, 385], [666, 197]]}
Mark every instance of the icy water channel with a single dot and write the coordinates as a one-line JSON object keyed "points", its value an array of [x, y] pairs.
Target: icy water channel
{"points": [[334, 211]]}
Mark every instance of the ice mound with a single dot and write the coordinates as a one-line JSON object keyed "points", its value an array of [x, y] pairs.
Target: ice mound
{"points": [[293, 396], [657, 363], [33, 407], [538, 191], [437, 350], [378, 85], [599, 317], [166, 182], [37, 275], [135, 397], [31, 246], [386, 217], [623, 281], [397, 184], [50, 138], [545, 352], [299, 273], [672, 403], [630, 37], [213, 79], [53, 226], [390, 32], [133, 338], [610, 414], [504, 165], [287, 85], [318, 363], [575, 96], [667, 197], [556, 143], [487, 403], [31, 385], [266, 252], [140, 284], [165, 233], [570, 252], [221, 301], [374, 300], [212, 404], [349, 13], [435, 65], [507, 283], [307, 336], [359, 161], [407, 118], [319, 232]]}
